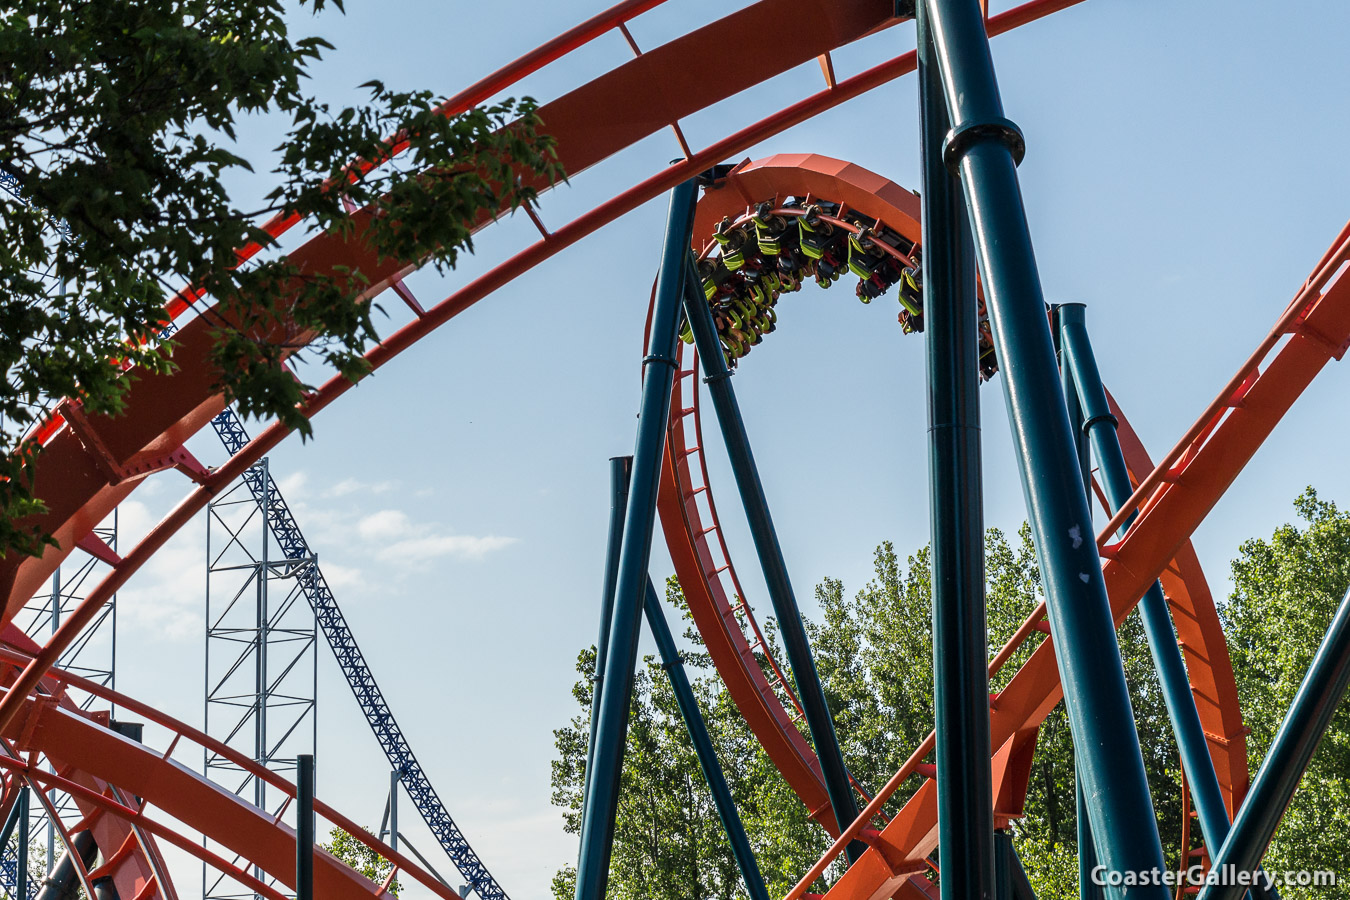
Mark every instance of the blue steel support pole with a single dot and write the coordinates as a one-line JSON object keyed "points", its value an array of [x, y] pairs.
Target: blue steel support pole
{"points": [[11, 823], [1087, 850], [984, 148], [304, 827], [795, 644], [393, 809], [703, 746], [21, 872], [1100, 426], [620, 470], [965, 795], [1307, 720], [616, 690], [1002, 861]]}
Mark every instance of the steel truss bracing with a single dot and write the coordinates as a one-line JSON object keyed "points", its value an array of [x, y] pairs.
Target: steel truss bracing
{"points": [[16, 835], [311, 583], [93, 655], [261, 659]]}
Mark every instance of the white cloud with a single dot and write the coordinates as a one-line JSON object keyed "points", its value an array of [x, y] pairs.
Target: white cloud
{"points": [[352, 486], [344, 487], [293, 484], [421, 549], [339, 576], [164, 599], [386, 524], [406, 542]]}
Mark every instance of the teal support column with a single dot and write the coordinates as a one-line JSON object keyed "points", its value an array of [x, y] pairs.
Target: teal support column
{"points": [[1321, 692], [616, 690], [304, 827], [1100, 427], [1022, 889], [11, 822], [620, 471], [672, 662], [795, 644], [21, 873], [984, 148], [1003, 863], [965, 794], [1087, 850]]}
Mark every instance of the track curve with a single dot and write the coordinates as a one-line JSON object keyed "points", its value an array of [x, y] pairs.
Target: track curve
{"points": [[90, 759], [132, 859], [90, 463], [707, 572]]}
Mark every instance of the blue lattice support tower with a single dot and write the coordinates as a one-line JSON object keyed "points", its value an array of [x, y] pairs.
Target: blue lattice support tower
{"points": [[280, 523], [261, 650], [331, 622]]}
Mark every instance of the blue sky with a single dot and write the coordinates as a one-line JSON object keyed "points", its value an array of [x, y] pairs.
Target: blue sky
{"points": [[1184, 171]]}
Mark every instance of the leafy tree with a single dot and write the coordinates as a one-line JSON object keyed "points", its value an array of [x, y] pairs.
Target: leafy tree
{"points": [[668, 842], [360, 857], [1285, 592], [1047, 836], [874, 654], [117, 138]]}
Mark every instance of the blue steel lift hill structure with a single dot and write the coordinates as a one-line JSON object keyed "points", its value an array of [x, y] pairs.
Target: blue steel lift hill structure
{"points": [[286, 531], [281, 524], [261, 662]]}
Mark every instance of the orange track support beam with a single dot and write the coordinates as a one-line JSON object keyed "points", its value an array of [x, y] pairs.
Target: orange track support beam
{"points": [[163, 411], [1172, 513]]}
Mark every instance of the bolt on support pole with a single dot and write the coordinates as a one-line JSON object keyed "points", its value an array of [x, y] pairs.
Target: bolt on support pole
{"points": [[795, 643], [1321, 692], [965, 796], [984, 148], [304, 827], [620, 470], [703, 746], [616, 690], [1100, 427]]}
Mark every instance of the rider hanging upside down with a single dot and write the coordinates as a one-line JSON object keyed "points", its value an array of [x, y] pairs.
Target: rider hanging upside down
{"points": [[764, 256]]}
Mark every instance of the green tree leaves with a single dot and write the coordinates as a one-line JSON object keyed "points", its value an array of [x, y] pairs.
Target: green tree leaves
{"points": [[874, 654], [117, 136], [1285, 592], [360, 857]]}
